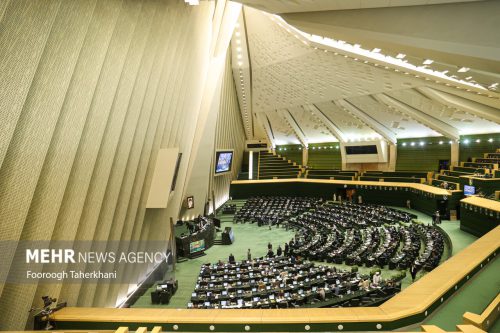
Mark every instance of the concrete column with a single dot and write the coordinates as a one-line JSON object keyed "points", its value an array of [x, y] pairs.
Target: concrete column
{"points": [[393, 153], [305, 156], [250, 164], [343, 157], [454, 160]]}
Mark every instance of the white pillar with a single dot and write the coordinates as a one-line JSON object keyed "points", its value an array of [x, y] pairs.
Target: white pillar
{"points": [[393, 153], [305, 156], [250, 165], [454, 160]]}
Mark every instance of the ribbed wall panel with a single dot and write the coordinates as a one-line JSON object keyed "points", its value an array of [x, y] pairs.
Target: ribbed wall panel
{"points": [[94, 228], [24, 159], [69, 130], [25, 28], [89, 92], [229, 134]]}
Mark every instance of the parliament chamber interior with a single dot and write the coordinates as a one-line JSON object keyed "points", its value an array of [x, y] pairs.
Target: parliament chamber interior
{"points": [[249, 166]]}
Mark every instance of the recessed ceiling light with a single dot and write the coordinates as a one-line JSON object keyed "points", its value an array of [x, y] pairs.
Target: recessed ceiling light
{"points": [[490, 140], [428, 61], [440, 142], [478, 140], [376, 50], [463, 70], [412, 144], [403, 144], [401, 56], [466, 141]]}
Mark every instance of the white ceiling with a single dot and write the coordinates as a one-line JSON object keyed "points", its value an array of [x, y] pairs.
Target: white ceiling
{"points": [[293, 6], [299, 91]]}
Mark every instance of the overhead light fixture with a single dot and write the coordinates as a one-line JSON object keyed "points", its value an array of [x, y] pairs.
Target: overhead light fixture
{"points": [[478, 140], [466, 141], [450, 142], [440, 142], [401, 56], [404, 144], [192, 2], [463, 69], [490, 140], [428, 61], [376, 50], [422, 143], [412, 144]]}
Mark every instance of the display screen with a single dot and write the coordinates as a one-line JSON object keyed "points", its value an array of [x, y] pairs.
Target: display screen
{"points": [[361, 150], [197, 246], [224, 161], [469, 190]]}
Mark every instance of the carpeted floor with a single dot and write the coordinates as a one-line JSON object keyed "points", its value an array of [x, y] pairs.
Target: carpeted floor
{"points": [[474, 297], [256, 238]]}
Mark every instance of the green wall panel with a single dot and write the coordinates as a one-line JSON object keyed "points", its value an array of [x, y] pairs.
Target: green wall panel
{"points": [[469, 147], [325, 156], [422, 158]]}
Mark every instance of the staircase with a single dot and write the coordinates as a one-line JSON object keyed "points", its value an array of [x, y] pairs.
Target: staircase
{"points": [[273, 166]]}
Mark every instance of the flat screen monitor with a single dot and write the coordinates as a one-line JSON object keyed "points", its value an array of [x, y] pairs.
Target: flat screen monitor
{"points": [[314, 288], [287, 294], [207, 303], [240, 291], [254, 289], [282, 285], [197, 246], [271, 296], [223, 303], [224, 292], [223, 161], [256, 299], [193, 294], [240, 302], [469, 190]]}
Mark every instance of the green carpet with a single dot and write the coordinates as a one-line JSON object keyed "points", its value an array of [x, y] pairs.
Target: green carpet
{"points": [[256, 238], [474, 297]]}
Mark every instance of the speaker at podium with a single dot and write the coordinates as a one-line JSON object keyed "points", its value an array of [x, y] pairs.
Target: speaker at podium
{"points": [[227, 236]]}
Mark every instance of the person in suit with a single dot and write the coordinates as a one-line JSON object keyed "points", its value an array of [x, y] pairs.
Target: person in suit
{"points": [[231, 259], [249, 255], [279, 251], [413, 272], [287, 249]]}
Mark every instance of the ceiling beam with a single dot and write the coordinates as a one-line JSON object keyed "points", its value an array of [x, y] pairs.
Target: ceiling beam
{"points": [[264, 121], [368, 120], [427, 120], [287, 116], [336, 132], [480, 110]]}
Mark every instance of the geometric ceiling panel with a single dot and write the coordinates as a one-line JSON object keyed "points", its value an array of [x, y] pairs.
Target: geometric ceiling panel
{"points": [[402, 124], [312, 90], [313, 128], [351, 126], [283, 133], [464, 121], [286, 72]]}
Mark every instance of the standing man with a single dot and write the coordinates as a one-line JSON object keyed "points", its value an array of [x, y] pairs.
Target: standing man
{"points": [[279, 251], [287, 248], [249, 255], [413, 272]]}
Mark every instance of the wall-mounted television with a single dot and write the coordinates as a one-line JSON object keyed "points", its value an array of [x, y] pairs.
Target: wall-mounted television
{"points": [[223, 161], [469, 190], [197, 246]]}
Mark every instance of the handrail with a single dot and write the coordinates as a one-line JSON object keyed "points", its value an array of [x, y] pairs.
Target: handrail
{"points": [[487, 318]]}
